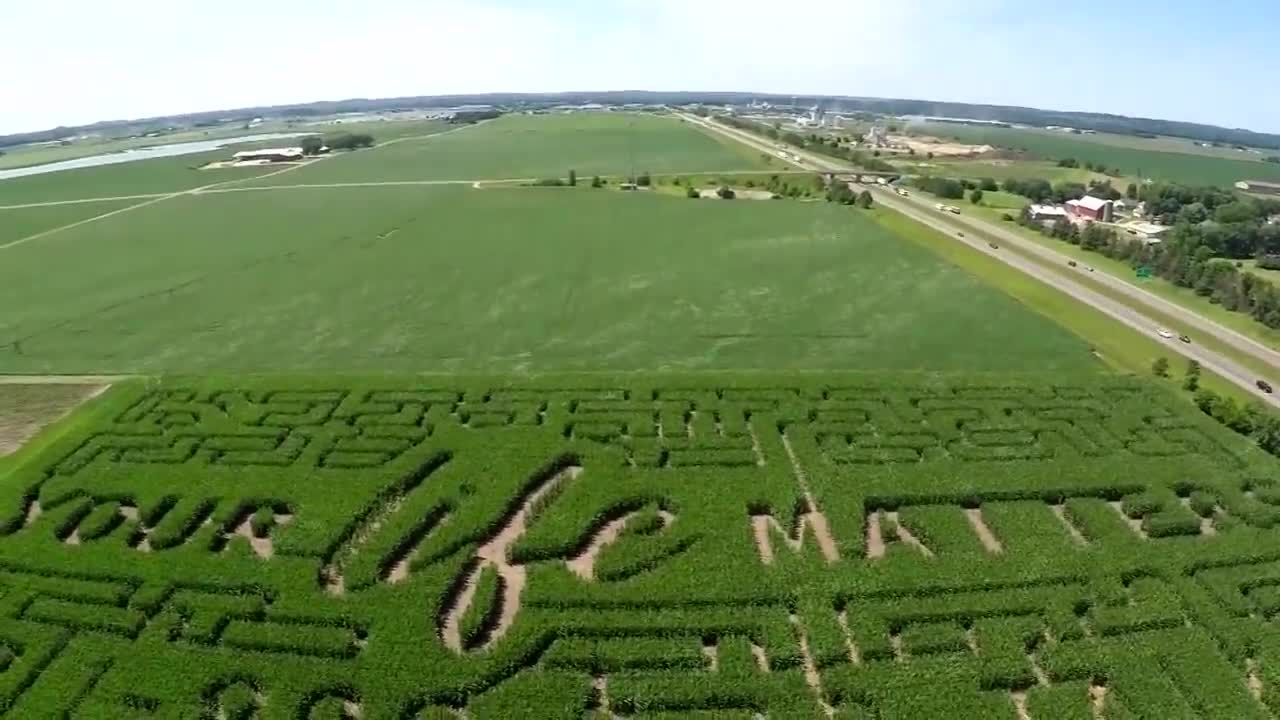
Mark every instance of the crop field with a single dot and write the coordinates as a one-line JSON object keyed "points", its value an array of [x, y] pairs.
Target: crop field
{"points": [[1000, 169], [415, 446], [409, 279], [644, 546], [540, 146], [1182, 167], [162, 175], [22, 223]]}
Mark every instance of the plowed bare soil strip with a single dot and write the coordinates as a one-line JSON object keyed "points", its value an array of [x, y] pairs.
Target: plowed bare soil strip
{"points": [[27, 409]]}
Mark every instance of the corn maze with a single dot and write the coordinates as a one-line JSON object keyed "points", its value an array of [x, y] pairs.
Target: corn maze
{"points": [[642, 546]]}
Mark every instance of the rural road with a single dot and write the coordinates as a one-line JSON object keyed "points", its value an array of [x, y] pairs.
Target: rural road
{"points": [[923, 212]]}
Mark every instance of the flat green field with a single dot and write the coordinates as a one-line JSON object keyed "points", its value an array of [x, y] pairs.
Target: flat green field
{"points": [[162, 175], [998, 170], [410, 279], [25, 222], [539, 146], [688, 546], [1181, 167]]}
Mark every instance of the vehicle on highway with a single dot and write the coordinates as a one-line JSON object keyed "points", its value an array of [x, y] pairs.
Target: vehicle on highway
{"points": [[1264, 386], [954, 210], [1090, 269], [993, 246], [1164, 334], [1185, 339], [960, 234], [1072, 263], [940, 207]]}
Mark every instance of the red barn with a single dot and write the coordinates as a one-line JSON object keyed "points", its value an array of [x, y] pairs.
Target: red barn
{"points": [[1091, 208]]}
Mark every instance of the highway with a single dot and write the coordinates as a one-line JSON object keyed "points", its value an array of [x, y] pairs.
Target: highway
{"points": [[953, 226]]}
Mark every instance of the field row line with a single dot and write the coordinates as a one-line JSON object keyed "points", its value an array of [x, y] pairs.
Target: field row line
{"points": [[63, 379], [118, 211], [214, 189], [161, 197]]}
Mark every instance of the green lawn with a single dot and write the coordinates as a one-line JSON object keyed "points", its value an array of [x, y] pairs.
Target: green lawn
{"points": [[25, 222], [1181, 167], [1272, 276], [537, 146], [501, 279]]}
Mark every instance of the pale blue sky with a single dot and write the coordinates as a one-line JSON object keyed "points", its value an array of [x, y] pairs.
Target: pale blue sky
{"points": [[77, 61]]}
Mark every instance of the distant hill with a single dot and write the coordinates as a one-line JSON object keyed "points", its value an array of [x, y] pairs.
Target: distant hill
{"points": [[1029, 116]]}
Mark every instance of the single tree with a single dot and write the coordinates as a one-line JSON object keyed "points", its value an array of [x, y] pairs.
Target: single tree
{"points": [[975, 197], [1206, 400], [864, 200], [596, 182], [1267, 433], [693, 193], [1160, 368], [644, 180], [1131, 192], [311, 145], [573, 178], [726, 193], [987, 184], [1192, 381]]}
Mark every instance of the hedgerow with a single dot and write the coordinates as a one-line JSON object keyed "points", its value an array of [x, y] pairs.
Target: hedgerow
{"points": [[678, 546]]}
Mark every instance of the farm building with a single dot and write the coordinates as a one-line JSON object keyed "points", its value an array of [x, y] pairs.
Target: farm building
{"points": [[1257, 186], [1147, 232], [270, 155], [1091, 208], [1046, 212]]}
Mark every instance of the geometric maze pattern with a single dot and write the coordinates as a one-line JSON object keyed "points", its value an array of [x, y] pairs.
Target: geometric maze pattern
{"points": [[809, 545], [341, 429]]}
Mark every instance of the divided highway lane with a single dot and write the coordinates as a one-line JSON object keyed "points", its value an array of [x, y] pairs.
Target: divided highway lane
{"points": [[924, 213], [1212, 361], [1225, 335]]}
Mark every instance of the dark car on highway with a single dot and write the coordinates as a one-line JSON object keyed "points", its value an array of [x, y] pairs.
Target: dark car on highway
{"points": [[1185, 339], [1264, 386]]}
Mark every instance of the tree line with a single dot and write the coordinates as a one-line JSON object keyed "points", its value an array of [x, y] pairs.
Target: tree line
{"points": [[1099, 168], [312, 144], [1250, 419], [954, 188], [831, 147], [840, 192], [1142, 127]]}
